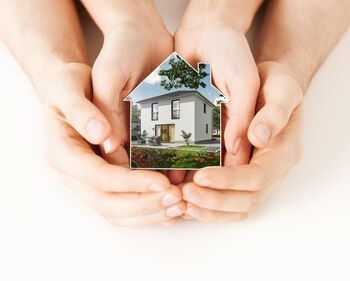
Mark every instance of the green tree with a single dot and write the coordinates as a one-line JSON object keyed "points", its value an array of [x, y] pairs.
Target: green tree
{"points": [[180, 74], [216, 118], [135, 116]]}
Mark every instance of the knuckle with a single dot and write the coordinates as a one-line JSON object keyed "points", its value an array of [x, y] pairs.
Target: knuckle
{"points": [[260, 181], [279, 115], [242, 217], [98, 201], [219, 203], [147, 208], [251, 200]]}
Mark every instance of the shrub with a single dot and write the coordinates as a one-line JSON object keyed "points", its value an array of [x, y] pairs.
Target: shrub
{"points": [[186, 136], [152, 158], [198, 159]]}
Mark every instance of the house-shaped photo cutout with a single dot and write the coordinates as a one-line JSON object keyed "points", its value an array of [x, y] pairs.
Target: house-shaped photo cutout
{"points": [[175, 118]]}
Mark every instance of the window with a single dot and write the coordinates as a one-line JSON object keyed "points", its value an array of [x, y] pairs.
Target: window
{"points": [[175, 109], [155, 111], [206, 128], [205, 108]]}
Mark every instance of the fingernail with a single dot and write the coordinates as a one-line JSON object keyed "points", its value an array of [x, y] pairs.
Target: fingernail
{"points": [[95, 129], [194, 212], [173, 211], [237, 145], [170, 199], [262, 133], [107, 145], [192, 196]]}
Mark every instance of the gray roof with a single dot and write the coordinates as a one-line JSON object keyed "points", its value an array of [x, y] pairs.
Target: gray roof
{"points": [[175, 94]]}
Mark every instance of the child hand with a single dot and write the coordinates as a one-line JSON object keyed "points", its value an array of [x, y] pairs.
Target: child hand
{"points": [[229, 193], [123, 196], [203, 36]]}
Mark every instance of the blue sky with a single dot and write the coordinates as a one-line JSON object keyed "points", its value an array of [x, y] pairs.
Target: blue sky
{"points": [[151, 85]]}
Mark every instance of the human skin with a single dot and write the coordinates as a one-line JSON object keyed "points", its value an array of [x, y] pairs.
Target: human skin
{"points": [[52, 53], [293, 44], [136, 41], [214, 32]]}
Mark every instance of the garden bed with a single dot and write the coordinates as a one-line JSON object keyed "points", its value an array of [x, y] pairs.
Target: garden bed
{"points": [[171, 158]]}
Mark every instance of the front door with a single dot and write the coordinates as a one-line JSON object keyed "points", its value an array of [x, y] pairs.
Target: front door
{"points": [[166, 132]]}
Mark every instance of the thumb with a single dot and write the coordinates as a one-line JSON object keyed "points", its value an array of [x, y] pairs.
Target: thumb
{"points": [[279, 96], [86, 119], [69, 95]]}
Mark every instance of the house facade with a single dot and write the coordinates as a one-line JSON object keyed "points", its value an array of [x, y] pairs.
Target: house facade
{"points": [[168, 114]]}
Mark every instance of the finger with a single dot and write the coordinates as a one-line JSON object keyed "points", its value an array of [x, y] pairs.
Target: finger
{"points": [[75, 158], [151, 219], [267, 166], [169, 222], [71, 101], [219, 200], [110, 204], [280, 95], [210, 216], [236, 75], [176, 176], [243, 87], [110, 78]]}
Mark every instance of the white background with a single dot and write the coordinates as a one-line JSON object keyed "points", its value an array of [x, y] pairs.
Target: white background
{"points": [[302, 232]]}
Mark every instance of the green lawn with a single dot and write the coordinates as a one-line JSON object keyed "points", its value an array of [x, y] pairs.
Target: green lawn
{"points": [[190, 147]]}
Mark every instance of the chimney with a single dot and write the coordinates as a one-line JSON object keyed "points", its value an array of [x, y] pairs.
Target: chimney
{"points": [[206, 67]]}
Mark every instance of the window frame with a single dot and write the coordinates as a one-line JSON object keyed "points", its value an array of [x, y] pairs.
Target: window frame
{"points": [[152, 112], [172, 109]]}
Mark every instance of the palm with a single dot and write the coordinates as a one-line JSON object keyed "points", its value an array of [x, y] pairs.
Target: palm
{"points": [[234, 73], [128, 55]]}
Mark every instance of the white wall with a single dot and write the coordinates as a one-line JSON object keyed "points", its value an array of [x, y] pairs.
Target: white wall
{"points": [[186, 121], [202, 119]]}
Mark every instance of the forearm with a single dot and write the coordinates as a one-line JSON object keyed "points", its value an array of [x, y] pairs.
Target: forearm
{"points": [[111, 13], [239, 14], [43, 35], [300, 34]]}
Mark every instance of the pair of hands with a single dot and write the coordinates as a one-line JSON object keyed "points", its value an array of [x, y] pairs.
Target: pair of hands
{"points": [[127, 197]]}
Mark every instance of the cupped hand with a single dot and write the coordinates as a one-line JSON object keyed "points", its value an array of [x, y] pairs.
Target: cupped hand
{"points": [[229, 193], [123, 196], [234, 72], [131, 51]]}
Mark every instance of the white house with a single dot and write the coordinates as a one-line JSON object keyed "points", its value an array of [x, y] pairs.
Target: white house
{"points": [[168, 114]]}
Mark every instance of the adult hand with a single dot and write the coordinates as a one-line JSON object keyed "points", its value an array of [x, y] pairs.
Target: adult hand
{"points": [[209, 34], [133, 47], [125, 197], [229, 193]]}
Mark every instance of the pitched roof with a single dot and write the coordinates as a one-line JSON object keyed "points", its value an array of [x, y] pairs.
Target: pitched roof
{"points": [[163, 78]]}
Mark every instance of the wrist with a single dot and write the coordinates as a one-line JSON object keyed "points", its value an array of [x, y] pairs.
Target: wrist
{"points": [[237, 14], [301, 69], [283, 68], [110, 14]]}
